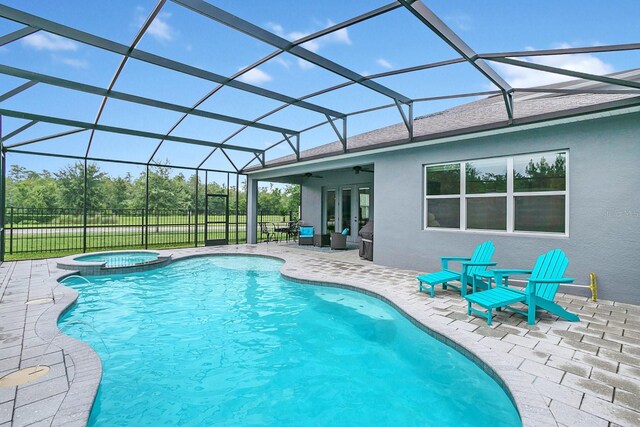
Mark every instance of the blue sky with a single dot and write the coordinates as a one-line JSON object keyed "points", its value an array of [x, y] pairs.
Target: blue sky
{"points": [[394, 40]]}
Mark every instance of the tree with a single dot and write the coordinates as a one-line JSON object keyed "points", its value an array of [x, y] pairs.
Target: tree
{"points": [[542, 175], [292, 199], [71, 187], [118, 192], [164, 192], [32, 191]]}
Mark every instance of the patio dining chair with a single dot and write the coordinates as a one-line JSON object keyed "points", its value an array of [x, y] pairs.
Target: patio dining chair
{"points": [[268, 229]]}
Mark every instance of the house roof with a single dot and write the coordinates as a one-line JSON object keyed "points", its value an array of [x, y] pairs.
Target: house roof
{"points": [[530, 105]]}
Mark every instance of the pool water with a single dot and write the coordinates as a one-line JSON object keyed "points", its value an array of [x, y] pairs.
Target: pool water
{"points": [[227, 341], [120, 259]]}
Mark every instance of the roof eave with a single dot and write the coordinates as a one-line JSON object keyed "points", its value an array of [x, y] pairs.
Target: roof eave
{"points": [[541, 120]]}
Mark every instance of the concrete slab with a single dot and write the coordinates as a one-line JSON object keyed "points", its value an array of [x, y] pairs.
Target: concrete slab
{"points": [[558, 372]]}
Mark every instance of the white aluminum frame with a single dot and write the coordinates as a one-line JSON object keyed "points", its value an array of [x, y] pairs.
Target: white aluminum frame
{"points": [[510, 194]]}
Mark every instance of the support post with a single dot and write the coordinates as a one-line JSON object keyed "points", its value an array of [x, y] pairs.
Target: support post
{"points": [[246, 214], [296, 147], [195, 232], [146, 210], [206, 205], [344, 132], [3, 195], [142, 216], [407, 118], [84, 209], [226, 222], [10, 231], [237, 206], [341, 136], [252, 209]]}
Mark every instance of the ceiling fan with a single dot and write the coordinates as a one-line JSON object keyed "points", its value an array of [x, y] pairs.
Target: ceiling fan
{"points": [[358, 169], [310, 175]]}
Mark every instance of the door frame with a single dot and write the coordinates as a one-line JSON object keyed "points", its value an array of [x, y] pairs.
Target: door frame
{"points": [[207, 222], [355, 208]]}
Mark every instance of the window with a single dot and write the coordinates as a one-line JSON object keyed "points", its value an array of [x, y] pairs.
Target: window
{"points": [[486, 194], [525, 193], [443, 192]]}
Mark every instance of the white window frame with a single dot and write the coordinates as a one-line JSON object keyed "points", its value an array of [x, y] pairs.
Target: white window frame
{"points": [[510, 195]]}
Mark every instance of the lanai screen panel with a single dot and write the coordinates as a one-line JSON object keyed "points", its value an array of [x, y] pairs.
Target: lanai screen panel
{"points": [[246, 83]]}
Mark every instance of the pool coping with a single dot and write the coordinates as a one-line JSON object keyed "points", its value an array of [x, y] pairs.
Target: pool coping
{"points": [[98, 268], [78, 402]]}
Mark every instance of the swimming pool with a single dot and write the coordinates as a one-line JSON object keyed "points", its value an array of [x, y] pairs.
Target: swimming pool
{"points": [[119, 259], [226, 340]]}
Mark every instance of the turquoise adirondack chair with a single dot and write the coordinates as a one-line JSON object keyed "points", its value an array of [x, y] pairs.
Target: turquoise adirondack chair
{"points": [[478, 262], [540, 291]]}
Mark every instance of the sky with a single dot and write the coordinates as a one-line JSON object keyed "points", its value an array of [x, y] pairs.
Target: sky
{"points": [[388, 42]]}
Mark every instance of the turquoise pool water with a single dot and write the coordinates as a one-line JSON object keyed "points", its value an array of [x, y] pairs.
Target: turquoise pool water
{"points": [[120, 259], [227, 341]]}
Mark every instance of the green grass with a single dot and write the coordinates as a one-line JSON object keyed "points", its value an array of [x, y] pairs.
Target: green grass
{"points": [[43, 246], [44, 241]]}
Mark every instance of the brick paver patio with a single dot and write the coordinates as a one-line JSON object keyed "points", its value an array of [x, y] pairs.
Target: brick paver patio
{"points": [[558, 372]]}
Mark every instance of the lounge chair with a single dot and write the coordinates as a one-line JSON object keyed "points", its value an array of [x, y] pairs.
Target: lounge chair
{"points": [[540, 291], [478, 262]]}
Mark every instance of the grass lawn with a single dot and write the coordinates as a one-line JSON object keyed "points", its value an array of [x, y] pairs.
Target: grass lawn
{"points": [[56, 245], [50, 236]]}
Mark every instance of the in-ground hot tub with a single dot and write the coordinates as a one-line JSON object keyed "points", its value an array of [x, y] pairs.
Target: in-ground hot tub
{"points": [[114, 262], [120, 259]]}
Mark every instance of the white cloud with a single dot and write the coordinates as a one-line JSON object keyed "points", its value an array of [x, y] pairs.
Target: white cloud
{"points": [[160, 28], [337, 37], [80, 64], [305, 65], [46, 41], [286, 64], [255, 76], [384, 63], [525, 77], [461, 21], [276, 28]]}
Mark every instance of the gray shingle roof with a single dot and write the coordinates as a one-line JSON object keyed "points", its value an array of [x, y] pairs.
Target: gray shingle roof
{"points": [[487, 113]]}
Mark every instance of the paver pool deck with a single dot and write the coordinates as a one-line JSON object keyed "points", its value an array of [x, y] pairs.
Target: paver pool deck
{"points": [[558, 372]]}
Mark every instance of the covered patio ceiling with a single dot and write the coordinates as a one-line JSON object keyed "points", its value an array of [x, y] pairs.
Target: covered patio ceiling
{"points": [[133, 102]]}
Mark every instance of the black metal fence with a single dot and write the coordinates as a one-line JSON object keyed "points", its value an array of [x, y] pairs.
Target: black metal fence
{"points": [[34, 233], [40, 233], [275, 225]]}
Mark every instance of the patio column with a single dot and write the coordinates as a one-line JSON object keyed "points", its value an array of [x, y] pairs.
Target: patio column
{"points": [[252, 209]]}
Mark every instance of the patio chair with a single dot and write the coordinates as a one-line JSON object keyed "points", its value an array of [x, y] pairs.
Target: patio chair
{"points": [[338, 241], [305, 236], [268, 229], [292, 232], [478, 262], [540, 291]]}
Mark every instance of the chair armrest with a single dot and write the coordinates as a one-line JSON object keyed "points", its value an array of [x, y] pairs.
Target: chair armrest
{"points": [[478, 264], [444, 260], [556, 280], [508, 271], [533, 282], [467, 264]]}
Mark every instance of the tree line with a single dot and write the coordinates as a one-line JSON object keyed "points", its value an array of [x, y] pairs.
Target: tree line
{"points": [[64, 188]]}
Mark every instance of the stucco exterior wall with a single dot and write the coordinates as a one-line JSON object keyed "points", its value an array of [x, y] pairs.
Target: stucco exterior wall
{"points": [[604, 204]]}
